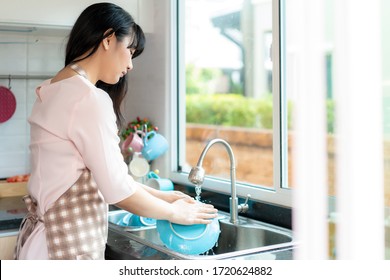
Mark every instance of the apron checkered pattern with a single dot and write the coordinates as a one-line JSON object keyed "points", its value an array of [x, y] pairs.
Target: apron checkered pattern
{"points": [[76, 225]]}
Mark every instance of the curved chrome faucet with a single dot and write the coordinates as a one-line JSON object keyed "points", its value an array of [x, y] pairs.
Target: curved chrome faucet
{"points": [[197, 174]]}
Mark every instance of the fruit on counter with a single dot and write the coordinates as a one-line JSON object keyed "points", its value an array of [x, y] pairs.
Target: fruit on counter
{"points": [[18, 178]]}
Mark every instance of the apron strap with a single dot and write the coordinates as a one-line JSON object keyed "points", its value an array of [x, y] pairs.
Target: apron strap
{"points": [[28, 224]]}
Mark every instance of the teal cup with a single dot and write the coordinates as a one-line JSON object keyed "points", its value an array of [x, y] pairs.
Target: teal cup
{"points": [[155, 145], [152, 175], [125, 220], [130, 219], [139, 221], [158, 183]]}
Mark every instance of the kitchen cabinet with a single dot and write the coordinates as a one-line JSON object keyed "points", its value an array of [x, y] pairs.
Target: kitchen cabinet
{"points": [[12, 190], [12, 209], [7, 247], [65, 12]]}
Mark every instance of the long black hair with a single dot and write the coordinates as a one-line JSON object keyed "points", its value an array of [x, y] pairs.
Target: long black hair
{"points": [[90, 29]]}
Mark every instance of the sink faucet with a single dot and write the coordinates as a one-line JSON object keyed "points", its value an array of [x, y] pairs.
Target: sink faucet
{"points": [[197, 174]]}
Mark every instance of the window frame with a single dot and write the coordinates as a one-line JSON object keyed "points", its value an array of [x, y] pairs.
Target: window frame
{"points": [[280, 194]]}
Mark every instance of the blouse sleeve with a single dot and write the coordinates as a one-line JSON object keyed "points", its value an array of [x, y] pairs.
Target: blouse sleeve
{"points": [[93, 131]]}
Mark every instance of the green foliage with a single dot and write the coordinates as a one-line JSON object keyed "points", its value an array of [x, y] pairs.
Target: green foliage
{"points": [[135, 125], [198, 80], [264, 111], [330, 107], [237, 110], [204, 106], [229, 110]]}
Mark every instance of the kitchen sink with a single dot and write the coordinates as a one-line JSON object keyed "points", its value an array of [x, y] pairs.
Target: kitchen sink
{"points": [[245, 238], [248, 235]]}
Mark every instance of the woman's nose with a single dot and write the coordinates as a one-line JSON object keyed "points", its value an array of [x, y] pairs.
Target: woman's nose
{"points": [[130, 65]]}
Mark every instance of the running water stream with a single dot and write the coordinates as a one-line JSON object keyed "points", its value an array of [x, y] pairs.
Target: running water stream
{"points": [[198, 190]]}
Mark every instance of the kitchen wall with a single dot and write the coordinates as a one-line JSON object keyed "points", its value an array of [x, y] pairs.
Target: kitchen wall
{"points": [[152, 82], [41, 53], [23, 57]]}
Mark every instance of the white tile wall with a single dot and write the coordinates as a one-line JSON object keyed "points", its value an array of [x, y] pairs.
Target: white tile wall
{"points": [[28, 55], [150, 90]]}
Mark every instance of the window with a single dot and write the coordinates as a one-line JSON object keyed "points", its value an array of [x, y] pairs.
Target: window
{"points": [[242, 62], [344, 44], [228, 91]]}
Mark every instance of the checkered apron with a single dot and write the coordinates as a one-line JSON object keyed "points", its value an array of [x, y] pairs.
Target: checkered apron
{"points": [[76, 224]]}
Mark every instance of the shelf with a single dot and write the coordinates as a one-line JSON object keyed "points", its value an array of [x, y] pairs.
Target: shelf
{"points": [[34, 29]]}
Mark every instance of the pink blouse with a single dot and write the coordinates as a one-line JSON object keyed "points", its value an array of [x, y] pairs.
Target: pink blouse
{"points": [[73, 127]]}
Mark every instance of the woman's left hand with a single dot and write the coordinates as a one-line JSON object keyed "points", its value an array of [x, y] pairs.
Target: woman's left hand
{"points": [[168, 196], [172, 196]]}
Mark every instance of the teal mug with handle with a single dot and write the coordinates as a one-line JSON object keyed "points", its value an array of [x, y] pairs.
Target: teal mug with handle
{"points": [[140, 221], [155, 145], [130, 219], [158, 183]]}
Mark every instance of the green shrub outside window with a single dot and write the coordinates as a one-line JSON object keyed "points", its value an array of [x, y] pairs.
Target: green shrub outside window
{"points": [[237, 110]]}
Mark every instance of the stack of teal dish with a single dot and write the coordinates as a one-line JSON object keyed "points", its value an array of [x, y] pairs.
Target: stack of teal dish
{"points": [[130, 219]]}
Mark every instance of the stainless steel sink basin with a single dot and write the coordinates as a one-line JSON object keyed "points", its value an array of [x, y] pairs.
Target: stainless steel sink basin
{"points": [[247, 237]]}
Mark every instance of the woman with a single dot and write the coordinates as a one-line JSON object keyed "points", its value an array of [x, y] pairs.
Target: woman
{"points": [[76, 167]]}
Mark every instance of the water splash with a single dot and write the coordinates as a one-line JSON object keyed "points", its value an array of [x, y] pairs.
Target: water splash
{"points": [[198, 190], [209, 252]]}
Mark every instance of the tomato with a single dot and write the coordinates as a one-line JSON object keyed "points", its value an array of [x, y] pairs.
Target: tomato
{"points": [[18, 178], [11, 179]]}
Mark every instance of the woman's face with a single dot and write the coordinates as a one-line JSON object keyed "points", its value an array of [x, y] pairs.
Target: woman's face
{"points": [[118, 60]]}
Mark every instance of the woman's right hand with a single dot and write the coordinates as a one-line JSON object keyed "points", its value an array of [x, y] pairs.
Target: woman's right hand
{"points": [[184, 210], [187, 212]]}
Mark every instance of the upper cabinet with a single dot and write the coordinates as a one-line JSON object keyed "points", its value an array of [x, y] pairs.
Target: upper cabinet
{"points": [[63, 13]]}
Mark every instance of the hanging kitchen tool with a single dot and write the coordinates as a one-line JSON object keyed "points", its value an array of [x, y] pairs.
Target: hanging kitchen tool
{"points": [[7, 102]]}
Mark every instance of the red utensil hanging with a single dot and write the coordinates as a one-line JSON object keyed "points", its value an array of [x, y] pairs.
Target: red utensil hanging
{"points": [[7, 104]]}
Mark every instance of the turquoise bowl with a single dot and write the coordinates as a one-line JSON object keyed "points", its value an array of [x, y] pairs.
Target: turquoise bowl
{"points": [[188, 239], [130, 219], [125, 220], [140, 221]]}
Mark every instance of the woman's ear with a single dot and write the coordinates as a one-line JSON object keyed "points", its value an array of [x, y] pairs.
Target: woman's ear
{"points": [[106, 43], [107, 39]]}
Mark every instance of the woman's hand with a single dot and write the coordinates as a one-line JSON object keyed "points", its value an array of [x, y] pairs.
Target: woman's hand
{"points": [[183, 209], [168, 196], [187, 212], [172, 196]]}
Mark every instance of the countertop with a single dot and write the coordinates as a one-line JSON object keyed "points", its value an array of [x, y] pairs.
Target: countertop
{"points": [[12, 207], [121, 247], [12, 211]]}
